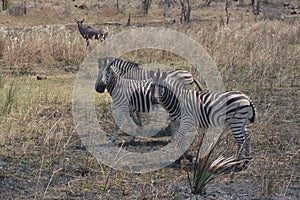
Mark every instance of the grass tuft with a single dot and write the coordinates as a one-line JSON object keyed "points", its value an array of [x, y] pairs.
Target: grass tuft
{"points": [[10, 98]]}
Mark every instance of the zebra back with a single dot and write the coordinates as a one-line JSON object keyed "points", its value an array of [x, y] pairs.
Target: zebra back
{"points": [[136, 92], [123, 66], [181, 78], [211, 105], [130, 70]]}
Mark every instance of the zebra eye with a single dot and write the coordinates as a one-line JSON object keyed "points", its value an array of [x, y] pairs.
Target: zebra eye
{"points": [[152, 88], [161, 90]]}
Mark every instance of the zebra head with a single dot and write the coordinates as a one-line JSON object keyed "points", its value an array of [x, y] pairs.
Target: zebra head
{"points": [[157, 86], [104, 73]]}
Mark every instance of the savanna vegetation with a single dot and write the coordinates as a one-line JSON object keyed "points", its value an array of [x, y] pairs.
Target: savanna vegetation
{"points": [[256, 48]]}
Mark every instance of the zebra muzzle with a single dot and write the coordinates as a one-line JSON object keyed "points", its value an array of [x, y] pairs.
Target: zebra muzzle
{"points": [[100, 88]]}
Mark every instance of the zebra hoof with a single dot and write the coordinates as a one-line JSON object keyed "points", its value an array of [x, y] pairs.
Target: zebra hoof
{"points": [[132, 139], [110, 144], [112, 140], [242, 165]]}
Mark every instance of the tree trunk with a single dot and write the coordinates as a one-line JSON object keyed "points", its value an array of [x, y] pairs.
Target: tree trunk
{"points": [[128, 21], [226, 10], [188, 13], [24, 7], [252, 6], [257, 7], [186, 9], [4, 4], [118, 8], [146, 6]]}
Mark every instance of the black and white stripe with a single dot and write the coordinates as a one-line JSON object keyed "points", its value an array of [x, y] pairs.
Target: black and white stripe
{"points": [[106, 64], [128, 96], [205, 109], [130, 70], [139, 99]]}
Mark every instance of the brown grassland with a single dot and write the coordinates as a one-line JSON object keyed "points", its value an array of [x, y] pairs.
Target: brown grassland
{"points": [[41, 155]]}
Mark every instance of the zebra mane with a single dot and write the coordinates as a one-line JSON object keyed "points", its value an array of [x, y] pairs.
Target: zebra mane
{"points": [[158, 77], [103, 63], [142, 75], [128, 65]]}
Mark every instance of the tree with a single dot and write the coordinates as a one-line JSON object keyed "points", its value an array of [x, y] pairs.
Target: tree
{"points": [[146, 6], [4, 4], [252, 6], [118, 7], [128, 21], [24, 7], [255, 9], [186, 9], [226, 10], [166, 4]]}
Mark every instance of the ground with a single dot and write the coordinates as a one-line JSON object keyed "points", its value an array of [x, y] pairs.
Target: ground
{"points": [[41, 153]]}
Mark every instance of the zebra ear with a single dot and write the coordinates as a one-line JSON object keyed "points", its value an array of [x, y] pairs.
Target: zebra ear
{"points": [[152, 74], [109, 61], [163, 75], [101, 63]]}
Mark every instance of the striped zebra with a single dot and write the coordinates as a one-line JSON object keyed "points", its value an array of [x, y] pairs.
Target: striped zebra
{"points": [[105, 65], [123, 92], [199, 109], [129, 70]]}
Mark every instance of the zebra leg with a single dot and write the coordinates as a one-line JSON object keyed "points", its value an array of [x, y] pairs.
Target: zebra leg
{"points": [[247, 143], [118, 121], [139, 118], [132, 125], [180, 137], [136, 120], [238, 129], [117, 128], [242, 137], [174, 125]]}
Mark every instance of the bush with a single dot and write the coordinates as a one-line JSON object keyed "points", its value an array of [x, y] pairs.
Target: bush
{"points": [[18, 9]]}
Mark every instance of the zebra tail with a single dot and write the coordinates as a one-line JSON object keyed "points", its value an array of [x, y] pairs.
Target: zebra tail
{"points": [[252, 118], [198, 85]]}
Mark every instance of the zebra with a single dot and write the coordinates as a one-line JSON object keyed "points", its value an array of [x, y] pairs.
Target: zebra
{"points": [[130, 70], [106, 64], [205, 109], [122, 67], [122, 92]]}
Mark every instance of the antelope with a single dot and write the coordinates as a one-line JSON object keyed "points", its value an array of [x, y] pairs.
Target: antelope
{"points": [[88, 32]]}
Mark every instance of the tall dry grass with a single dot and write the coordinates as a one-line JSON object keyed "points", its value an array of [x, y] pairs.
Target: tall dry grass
{"points": [[263, 49], [41, 46]]}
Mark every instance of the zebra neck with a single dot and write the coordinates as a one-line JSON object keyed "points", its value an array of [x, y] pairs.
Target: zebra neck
{"points": [[117, 71], [111, 85], [170, 101]]}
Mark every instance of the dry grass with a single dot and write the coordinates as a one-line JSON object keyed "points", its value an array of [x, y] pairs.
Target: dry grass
{"points": [[25, 50], [41, 154]]}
